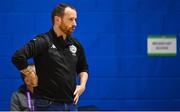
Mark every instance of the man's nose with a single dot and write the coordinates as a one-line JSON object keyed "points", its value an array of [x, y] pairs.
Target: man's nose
{"points": [[74, 24]]}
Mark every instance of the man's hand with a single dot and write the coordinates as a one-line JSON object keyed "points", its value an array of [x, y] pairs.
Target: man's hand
{"points": [[79, 90]]}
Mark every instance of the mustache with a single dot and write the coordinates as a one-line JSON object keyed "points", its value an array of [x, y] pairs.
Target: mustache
{"points": [[73, 28]]}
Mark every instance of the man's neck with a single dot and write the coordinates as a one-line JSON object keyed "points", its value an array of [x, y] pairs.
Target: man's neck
{"points": [[59, 32]]}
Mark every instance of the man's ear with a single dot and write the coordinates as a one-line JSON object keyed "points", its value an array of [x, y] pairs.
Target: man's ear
{"points": [[57, 19]]}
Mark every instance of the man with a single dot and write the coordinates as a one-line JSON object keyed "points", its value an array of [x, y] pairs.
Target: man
{"points": [[21, 99], [58, 58]]}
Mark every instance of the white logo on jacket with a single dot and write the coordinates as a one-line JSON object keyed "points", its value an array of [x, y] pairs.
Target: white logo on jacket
{"points": [[53, 46], [73, 49]]}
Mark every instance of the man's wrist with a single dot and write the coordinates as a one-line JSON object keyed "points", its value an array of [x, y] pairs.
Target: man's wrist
{"points": [[83, 85]]}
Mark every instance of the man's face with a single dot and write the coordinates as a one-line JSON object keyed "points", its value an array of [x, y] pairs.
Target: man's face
{"points": [[68, 21]]}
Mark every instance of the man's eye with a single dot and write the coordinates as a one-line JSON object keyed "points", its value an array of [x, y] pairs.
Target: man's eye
{"points": [[71, 19]]}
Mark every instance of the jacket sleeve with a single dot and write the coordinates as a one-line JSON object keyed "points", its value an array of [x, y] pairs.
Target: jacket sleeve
{"points": [[32, 49], [82, 65]]}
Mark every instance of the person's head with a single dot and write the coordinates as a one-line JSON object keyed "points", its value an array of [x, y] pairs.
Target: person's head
{"points": [[64, 17], [26, 80]]}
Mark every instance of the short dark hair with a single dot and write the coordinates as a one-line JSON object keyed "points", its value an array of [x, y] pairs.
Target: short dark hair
{"points": [[59, 10]]}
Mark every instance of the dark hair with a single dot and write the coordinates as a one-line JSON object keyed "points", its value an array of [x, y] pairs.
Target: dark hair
{"points": [[59, 10]]}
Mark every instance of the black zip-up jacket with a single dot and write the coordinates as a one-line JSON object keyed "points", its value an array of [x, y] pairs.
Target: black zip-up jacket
{"points": [[57, 62]]}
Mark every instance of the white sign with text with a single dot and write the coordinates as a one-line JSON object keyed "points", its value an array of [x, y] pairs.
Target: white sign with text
{"points": [[161, 45]]}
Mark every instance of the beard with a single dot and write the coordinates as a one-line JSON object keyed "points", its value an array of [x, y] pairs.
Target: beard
{"points": [[66, 30]]}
